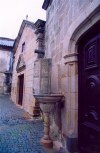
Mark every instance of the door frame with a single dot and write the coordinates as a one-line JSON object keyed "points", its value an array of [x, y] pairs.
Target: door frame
{"points": [[17, 97], [90, 35], [71, 56]]}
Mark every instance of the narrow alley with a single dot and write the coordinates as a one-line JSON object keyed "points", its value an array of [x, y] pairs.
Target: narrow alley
{"points": [[50, 76], [18, 132]]}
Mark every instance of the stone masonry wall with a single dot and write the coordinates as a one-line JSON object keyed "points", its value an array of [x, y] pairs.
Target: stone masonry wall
{"points": [[4, 66], [29, 38], [63, 18], [60, 20]]}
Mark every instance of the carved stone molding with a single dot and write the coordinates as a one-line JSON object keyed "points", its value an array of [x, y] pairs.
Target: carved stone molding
{"points": [[71, 58], [40, 31], [21, 63]]}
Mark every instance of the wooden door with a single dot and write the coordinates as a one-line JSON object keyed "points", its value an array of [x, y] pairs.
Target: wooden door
{"points": [[89, 92], [21, 84]]}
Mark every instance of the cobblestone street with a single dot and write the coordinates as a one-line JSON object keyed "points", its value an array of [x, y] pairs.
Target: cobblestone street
{"points": [[18, 132]]}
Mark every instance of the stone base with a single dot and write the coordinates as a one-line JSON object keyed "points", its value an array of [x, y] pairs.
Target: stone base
{"points": [[36, 111], [47, 143]]}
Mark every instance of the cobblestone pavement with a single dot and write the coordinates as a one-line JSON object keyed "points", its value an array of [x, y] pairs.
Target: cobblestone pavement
{"points": [[18, 133]]}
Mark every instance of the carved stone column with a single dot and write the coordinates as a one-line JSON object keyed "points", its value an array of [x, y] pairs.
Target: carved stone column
{"points": [[40, 32], [72, 111], [46, 140]]}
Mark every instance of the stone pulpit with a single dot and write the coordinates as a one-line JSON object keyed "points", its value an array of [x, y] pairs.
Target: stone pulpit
{"points": [[42, 71], [41, 81]]}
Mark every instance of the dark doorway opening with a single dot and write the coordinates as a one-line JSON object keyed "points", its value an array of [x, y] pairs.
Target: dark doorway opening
{"points": [[89, 91], [20, 91]]}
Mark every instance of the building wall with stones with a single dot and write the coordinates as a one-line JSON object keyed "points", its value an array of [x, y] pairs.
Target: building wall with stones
{"points": [[4, 66], [6, 57], [24, 56], [66, 21]]}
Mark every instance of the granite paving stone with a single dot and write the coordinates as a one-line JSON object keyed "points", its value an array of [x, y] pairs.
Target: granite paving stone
{"points": [[19, 133]]}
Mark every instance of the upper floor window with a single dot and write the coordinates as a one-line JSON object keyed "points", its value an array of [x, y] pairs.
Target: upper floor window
{"points": [[23, 46]]}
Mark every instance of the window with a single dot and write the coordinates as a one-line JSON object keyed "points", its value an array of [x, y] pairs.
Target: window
{"points": [[23, 46]]}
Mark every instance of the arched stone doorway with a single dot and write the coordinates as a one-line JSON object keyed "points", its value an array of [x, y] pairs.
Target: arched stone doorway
{"points": [[89, 90], [71, 57]]}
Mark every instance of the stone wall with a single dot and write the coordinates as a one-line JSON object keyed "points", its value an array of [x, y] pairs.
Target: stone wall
{"points": [[64, 19], [5, 56], [29, 37]]}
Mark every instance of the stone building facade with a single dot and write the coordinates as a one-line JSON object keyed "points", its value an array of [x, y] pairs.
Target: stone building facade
{"points": [[27, 45], [24, 56], [71, 25], [6, 62]]}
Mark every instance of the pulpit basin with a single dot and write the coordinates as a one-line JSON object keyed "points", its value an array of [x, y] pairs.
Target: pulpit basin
{"points": [[48, 98], [47, 105], [48, 101]]}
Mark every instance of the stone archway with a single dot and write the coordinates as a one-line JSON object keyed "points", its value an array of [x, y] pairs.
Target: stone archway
{"points": [[88, 91], [82, 28]]}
